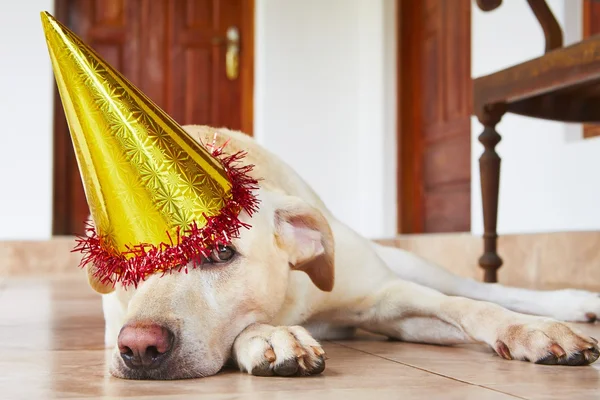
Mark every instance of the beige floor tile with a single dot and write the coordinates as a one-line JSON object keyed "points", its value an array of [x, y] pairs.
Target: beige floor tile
{"points": [[479, 365], [81, 373], [51, 346]]}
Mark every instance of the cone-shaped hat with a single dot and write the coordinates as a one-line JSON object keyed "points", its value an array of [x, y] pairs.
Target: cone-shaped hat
{"points": [[158, 199]]}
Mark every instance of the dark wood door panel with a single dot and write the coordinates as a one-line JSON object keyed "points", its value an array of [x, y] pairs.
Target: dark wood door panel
{"points": [[445, 163], [457, 97], [107, 26], [435, 116], [194, 60], [448, 209], [150, 24], [201, 88], [441, 129], [591, 26]]}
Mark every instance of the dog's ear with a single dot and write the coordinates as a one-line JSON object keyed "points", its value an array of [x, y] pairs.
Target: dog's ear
{"points": [[95, 282], [304, 233]]}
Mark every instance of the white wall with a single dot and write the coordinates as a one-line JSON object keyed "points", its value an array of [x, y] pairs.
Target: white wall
{"points": [[26, 122], [325, 97], [325, 73], [325, 101], [549, 172]]}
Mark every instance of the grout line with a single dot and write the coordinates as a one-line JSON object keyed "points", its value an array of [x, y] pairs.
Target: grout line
{"points": [[431, 372]]}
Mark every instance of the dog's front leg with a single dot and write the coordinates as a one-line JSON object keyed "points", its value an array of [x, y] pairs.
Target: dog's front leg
{"points": [[267, 350], [410, 312]]}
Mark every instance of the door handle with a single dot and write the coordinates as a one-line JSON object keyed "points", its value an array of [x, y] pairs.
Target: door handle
{"points": [[232, 54]]}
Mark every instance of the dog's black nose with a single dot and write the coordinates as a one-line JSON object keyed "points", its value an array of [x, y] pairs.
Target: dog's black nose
{"points": [[145, 345]]}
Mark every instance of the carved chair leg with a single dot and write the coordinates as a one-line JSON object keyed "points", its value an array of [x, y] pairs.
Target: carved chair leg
{"points": [[489, 169]]}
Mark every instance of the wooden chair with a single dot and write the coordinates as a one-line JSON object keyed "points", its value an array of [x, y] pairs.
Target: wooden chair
{"points": [[562, 85]]}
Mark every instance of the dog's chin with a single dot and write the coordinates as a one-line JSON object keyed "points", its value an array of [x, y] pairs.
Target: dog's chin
{"points": [[173, 369]]}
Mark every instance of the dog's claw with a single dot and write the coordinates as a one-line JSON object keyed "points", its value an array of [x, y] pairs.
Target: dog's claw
{"points": [[270, 355], [557, 350], [299, 352], [318, 351], [503, 351]]}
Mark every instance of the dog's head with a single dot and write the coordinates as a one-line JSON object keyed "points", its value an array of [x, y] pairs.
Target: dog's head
{"points": [[183, 325]]}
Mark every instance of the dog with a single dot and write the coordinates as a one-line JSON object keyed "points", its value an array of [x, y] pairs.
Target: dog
{"points": [[299, 275]]}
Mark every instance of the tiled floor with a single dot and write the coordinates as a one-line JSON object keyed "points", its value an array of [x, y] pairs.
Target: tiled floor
{"points": [[51, 346]]}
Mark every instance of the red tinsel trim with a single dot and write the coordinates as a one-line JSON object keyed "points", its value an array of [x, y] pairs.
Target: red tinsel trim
{"points": [[111, 267]]}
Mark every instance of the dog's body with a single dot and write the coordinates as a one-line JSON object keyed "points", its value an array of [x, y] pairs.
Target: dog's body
{"points": [[299, 265]]}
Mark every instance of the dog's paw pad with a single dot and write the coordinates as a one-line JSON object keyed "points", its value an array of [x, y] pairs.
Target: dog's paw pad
{"points": [[584, 357], [288, 367], [262, 369]]}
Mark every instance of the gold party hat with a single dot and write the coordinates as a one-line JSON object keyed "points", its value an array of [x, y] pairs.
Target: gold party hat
{"points": [[158, 199]]}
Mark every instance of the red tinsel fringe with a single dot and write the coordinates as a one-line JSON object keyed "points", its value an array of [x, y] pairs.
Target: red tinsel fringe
{"points": [[129, 268]]}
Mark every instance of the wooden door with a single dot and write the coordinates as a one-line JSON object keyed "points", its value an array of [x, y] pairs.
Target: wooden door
{"points": [[591, 27], [174, 51], [434, 129]]}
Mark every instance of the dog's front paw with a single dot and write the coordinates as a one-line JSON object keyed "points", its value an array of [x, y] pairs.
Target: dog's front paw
{"points": [[265, 350], [545, 341]]}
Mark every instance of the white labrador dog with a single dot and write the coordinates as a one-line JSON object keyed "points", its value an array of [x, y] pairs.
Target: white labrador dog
{"points": [[299, 265]]}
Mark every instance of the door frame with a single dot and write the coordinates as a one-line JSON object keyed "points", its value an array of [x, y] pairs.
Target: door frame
{"points": [[63, 154], [409, 189], [409, 144], [247, 59]]}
